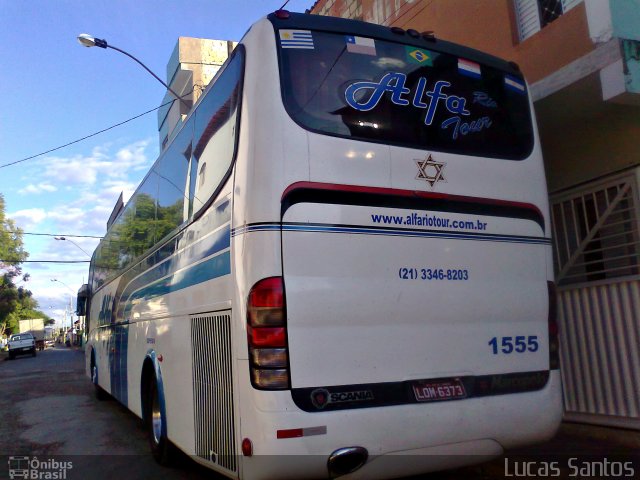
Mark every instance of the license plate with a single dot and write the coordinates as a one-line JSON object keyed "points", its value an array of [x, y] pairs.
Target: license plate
{"points": [[432, 391]]}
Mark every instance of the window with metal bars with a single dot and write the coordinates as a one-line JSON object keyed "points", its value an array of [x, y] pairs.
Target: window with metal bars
{"points": [[596, 233], [533, 15], [549, 11]]}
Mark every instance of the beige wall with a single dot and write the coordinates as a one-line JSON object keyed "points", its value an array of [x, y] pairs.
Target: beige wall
{"points": [[598, 146]]}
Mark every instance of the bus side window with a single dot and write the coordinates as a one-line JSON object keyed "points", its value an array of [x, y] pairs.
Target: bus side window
{"points": [[215, 131], [172, 171]]}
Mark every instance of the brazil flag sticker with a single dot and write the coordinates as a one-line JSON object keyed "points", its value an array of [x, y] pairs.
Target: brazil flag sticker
{"points": [[420, 56]]}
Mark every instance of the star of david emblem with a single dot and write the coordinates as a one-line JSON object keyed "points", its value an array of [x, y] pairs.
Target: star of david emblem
{"points": [[430, 171]]}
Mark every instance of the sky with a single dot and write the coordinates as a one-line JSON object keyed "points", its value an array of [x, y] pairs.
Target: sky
{"points": [[55, 91]]}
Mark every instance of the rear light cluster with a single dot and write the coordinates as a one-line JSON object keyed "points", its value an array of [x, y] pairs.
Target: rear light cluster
{"points": [[267, 335], [554, 346]]}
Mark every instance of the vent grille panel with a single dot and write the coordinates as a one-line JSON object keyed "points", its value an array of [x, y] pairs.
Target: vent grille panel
{"points": [[213, 390]]}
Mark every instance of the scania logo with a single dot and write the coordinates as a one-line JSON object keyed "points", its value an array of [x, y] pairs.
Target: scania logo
{"points": [[321, 397]]}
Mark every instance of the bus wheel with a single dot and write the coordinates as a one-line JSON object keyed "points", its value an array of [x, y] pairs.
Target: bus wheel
{"points": [[100, 393], [161, 448]]}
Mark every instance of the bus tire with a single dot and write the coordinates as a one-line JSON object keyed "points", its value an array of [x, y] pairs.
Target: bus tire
{"points": [[98, 390], [163, 451]]}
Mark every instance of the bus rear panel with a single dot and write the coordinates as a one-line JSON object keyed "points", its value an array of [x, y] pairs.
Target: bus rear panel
{"points": [[402, 193]]}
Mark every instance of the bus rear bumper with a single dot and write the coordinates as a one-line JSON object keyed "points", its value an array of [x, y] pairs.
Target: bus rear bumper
{"points": [[389, 465], [428, 459], [411, 439]]}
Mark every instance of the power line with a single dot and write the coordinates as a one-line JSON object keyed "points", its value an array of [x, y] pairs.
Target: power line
{"points": [[81, 139], [57, 235], [93, 134], [45, 261]]}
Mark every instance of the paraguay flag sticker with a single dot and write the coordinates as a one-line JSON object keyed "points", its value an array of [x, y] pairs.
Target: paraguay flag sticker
{"points": [[468, 68], [514, 84], [296, 39]]}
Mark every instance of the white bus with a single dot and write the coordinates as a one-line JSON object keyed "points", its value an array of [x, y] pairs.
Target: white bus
{"points": [[343, 257]]}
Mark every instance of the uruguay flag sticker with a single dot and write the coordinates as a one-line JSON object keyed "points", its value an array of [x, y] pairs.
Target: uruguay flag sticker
{"points": [[296, 39]]}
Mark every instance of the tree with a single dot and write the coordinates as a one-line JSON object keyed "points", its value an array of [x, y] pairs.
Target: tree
{"points": [[12, 254], [26, 307], [8, 303]]}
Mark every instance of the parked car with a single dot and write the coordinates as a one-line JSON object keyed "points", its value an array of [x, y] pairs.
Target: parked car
{"points": [[22, 343]]}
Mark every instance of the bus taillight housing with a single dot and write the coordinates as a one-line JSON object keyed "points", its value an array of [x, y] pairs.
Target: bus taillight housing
{"points": [[554, 345], [267, 335]]}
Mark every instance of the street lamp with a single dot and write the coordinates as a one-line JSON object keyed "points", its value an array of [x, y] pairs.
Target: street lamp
{"points": [[87, 40], [60, 281], [70, 305], [53, 309], [68, 240]]}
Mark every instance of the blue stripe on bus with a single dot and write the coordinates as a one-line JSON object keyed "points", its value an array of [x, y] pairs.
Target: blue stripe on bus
{"points": [[214, 267], [206, 247], [118, 349], [385, 231], [167, 259]]}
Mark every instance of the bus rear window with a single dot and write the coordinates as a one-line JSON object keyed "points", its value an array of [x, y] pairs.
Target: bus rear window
{"points": [[380, 91]]}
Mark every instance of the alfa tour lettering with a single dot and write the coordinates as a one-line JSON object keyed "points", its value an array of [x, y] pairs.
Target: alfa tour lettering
{"points": [[393, 83]]}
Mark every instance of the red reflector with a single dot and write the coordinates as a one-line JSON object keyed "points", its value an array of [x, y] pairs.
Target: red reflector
{"points": [[292, 433], [267, 293], [553, 309], [553, 302], [268, 336], [247, 447], [282, 14], [554, 353]]}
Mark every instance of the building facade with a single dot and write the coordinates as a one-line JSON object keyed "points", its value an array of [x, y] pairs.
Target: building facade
{"points": [[582, 61], [192, 65]]}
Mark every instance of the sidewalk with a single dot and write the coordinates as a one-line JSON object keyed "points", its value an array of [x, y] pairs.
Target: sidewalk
{"points": [[582, 439], [577, 451]]}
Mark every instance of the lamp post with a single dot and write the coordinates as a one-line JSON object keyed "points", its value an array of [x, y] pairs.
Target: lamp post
{"points": [[87, 40], [70, 304], [69, 240]]}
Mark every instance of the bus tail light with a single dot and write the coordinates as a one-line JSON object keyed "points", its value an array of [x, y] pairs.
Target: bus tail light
{"points": [[554, 346], [247, 447], [267, 335]]}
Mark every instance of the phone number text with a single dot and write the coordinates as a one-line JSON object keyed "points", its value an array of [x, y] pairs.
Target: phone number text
{"points": [[451, 274]]}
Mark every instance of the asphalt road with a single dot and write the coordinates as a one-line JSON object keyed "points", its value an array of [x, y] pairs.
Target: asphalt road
{"points": [[48, 412]]}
